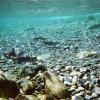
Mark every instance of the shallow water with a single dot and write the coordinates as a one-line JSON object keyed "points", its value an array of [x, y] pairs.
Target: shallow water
{"points": [[57, 36], [66, 22], [21, 14]]}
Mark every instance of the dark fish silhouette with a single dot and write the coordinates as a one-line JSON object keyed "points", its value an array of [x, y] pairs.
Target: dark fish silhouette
{"points": [[96, 26]]}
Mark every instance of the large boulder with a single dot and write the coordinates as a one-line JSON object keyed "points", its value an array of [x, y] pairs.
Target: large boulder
{"points": [[8, 88], [54, 86]]}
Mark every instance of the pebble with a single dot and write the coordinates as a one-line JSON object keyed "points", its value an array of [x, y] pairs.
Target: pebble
{"points": [[67, 81], [87, 97], [83, 69], [97, 90], [75, 79], [68, 68], [61, 78], [94, 95], [85, 77], [79, 94], [79, 89], [75, 73]]}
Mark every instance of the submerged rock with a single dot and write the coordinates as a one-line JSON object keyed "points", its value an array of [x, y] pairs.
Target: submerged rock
{"points": [[8, 88], [24, 59], [29, 97], [15, 52], [32, 70], [75, 73], [17, 56], [28, 87], [97, 90], [44, 97], [54, 86], [85, 54]]}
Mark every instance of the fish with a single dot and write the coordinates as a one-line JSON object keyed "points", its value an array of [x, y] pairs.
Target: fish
{"points": [[96, 26]]}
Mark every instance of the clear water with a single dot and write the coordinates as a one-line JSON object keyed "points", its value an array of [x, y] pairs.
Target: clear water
{"points": [[21, 14]]}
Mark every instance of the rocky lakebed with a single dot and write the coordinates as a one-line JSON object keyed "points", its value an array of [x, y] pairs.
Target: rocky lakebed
{"points": [[59, 61]]}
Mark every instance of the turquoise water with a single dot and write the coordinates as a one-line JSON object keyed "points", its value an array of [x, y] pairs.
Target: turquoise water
{"points": [[21, 14], [66, 22]]}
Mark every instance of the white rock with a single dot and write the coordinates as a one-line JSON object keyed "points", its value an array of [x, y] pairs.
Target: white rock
{"points": [[73, 98], [79, 94], [43, 57], [68, 67], [85, 54], [97, 90], [85, 77], [61, 78], [70, 77], [56, 68], [94, 95], [79, 89], [67, 81], [83, 69], [92, 77], [75, 79], [87, 97], [72, 88], [75, 73]]}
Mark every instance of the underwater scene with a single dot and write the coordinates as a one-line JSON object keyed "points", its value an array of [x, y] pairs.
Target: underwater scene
{"points": [[49, 49]]}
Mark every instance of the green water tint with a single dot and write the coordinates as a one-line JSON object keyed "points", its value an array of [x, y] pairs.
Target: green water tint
{"points": [[22, 14], [25, 22]]}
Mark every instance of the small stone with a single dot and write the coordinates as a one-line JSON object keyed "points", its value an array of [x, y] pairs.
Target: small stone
{"points": [[97, 90], [92, 77], [21, 97], [28, 87], [56, 68], [67, 81], [32, 70], [68, 68], [86, 85], [88, 92], [29, 97], [75, 79], [91, 86], [75, 73], [79, 89], [44, 97], [77, 97], [83, 69], [61, 78], [73, 97], [94, 95], [72, 88], [87, 97], [85, 77], [98, 83], [43, 57], [79, 94]]}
